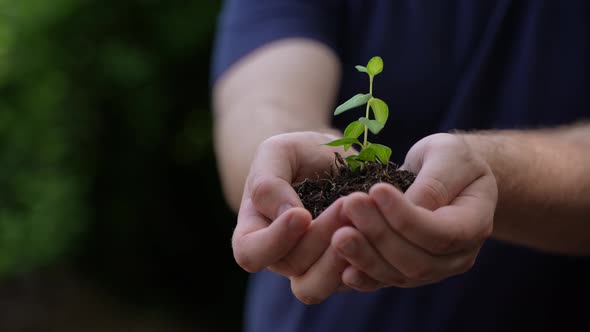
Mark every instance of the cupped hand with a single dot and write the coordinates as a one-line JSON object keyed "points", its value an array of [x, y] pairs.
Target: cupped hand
{"points": [[274, 231], [433, 231]]}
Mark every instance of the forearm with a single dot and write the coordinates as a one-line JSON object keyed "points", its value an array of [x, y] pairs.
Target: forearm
{"points": [[543, 186], [238, 137], [286, 86]]}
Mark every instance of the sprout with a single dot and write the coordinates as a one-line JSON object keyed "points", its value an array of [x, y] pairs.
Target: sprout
{"points": [[368, 152]]}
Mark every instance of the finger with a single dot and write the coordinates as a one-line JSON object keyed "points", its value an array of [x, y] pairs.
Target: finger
{"points": [[257, 244], [353, 246], [321, 280], [280, 161], [451, 229], [477, 203], [315, 241], [269, 184], [412, 262], [444, 168], [358, 280]]}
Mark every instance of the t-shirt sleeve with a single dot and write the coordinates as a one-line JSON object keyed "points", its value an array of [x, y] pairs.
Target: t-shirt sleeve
{"points": [[244, 25]]}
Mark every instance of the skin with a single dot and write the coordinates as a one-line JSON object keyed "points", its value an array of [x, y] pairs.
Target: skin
{"points": [[510, 185], [284, 87]]}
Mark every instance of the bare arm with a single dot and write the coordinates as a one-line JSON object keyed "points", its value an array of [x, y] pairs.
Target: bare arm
{"points": [[285, 86], [543, 185]]}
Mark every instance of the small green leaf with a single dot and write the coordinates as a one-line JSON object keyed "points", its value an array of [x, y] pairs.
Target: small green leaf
{"points": [[367, 154], [380, 109], [356, 101], [373, 125], [353, 130], [375, 66], [343, 141], [353, 162], [362, 69], [383, 152], [351, 158]]}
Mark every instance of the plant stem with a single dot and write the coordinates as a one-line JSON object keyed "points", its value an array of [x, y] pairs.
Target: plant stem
{"points": [[367, 110]]}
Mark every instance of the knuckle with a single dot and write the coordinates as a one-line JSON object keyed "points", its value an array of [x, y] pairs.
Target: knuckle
{"points": [[345, 238], [290, 267], [272, 141], [261, 188], [302, 293], [335, 260], [245, 262], [434, 192], [245, 257], [276, 142], [380, 237], [440, 141]]}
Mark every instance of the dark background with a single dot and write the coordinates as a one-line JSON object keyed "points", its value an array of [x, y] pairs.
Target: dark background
{"points": [[111, 211]]}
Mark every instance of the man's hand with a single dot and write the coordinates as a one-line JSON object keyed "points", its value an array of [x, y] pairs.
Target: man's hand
{"points": [[431, 232], [274, 231]]}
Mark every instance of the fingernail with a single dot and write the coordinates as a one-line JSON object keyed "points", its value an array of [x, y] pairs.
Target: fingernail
{"points": [[283, 208]]}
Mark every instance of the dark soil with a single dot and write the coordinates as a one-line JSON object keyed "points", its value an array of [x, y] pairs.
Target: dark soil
{"points": [[317, 194]]}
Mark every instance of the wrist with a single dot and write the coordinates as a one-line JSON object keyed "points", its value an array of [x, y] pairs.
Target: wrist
{"points": [[503, 152]]}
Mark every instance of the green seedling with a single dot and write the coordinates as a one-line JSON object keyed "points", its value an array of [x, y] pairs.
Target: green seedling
{"points": [[368, 152]]}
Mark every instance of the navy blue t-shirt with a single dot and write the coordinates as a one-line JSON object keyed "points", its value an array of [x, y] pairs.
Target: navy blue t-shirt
{"points": [[463, 64]]}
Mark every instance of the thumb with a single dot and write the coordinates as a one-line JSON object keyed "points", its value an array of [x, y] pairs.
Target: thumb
{"points": [[443, 167], [269, 183], [272, 196]]}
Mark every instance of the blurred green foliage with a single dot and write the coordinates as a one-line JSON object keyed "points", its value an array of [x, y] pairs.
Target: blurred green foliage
{"points": [[105, 146], [42, 188]]}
